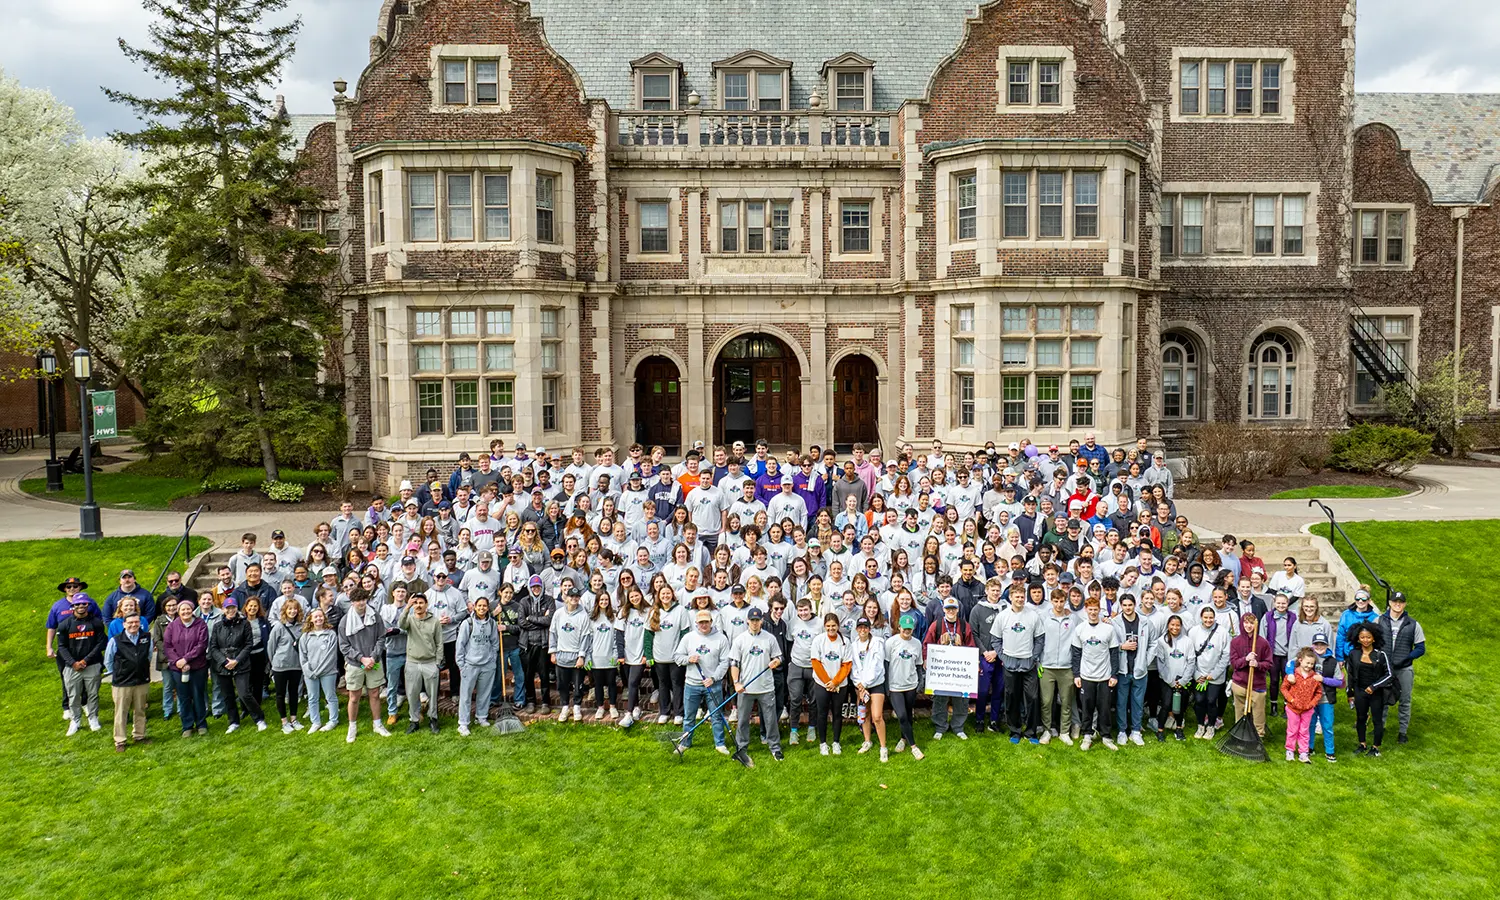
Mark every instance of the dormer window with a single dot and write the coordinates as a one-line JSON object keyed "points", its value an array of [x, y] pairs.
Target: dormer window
{"points": [[754, 81], [656, 82], [850, 80]]}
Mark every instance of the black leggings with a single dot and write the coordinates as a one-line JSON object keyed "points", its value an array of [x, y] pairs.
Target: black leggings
{"points": [[605, 678], [902, 702], [670, 681], [633, 686], [826, 702], [1209, 703], [450, 663], [1273, 679], [288, 688], [569, 685], [260, 668], [537, 664], [1098, 710], [1366, 705], [1175, 702]]}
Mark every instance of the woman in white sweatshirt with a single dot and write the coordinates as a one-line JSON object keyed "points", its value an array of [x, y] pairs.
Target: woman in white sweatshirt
{"points": [[868, 675], [1209, 644], [568, 649], [605, 650], [832, 661], [1288, 579], [903, 655], [633, 626]]}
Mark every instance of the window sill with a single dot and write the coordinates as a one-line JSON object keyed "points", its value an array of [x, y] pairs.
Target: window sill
{"points": [[1382, 267], [1227, 119], [409, 246], [1238, 261], [1051, 243]]}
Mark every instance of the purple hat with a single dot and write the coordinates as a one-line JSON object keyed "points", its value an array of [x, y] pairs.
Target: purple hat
{"points": [[536, 581], [228, 602]]}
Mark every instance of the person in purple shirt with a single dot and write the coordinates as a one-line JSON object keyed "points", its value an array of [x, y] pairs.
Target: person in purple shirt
{"points": [[185, 648], [808, 485], [61, 611], [768, 483]]}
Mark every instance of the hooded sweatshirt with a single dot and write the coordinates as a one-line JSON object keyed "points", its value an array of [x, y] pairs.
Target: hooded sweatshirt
{"points": [[478, 643], [1174, 660], [359, 636], [424, 636], [869, 661], [606, 642], [802, 634], [281, 647], [1210, 649], [569, 635], [319, 652], [632, 626]]}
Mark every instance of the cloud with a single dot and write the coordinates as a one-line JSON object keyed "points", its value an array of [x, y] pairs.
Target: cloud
{"points": [[69, 47]]}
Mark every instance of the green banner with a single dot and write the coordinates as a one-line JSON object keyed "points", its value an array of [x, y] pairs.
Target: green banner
{"points": [[105, 423]]}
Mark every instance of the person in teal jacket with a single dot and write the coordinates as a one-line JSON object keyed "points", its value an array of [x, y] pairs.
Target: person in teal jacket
{"points": [[1362, 611]]}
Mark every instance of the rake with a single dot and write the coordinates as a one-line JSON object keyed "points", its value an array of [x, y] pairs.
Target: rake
{"points": [[507, 722], [1242, 740], [676, 740]]}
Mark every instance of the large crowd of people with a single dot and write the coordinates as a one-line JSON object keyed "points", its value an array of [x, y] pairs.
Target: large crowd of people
{"points": [[802, 591]]}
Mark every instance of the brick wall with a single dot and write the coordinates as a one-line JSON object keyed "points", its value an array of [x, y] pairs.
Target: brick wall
{"points": [[467, 265], [1076, 262]]}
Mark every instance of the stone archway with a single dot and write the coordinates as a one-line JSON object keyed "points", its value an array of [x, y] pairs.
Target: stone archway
{"points": [[757, 391]]}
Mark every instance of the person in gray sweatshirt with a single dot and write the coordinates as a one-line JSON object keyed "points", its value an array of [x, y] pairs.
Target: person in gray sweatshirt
{"points": [[1018, 636], [752, 656], [1057, 667], [478, 654], [318, 651], [360, 635], [284, 663], [990, 700], [703, 654], [1175, 665], [801, 631], [424, 654], [568, 639], [903, 657]]}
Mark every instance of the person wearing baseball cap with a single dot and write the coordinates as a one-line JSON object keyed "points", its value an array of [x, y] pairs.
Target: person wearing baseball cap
{"points": [[1361, 610], [1404, 642], [567, 649], [948, 713], [904, 653], [1331, 670], [868, 679], [703, 655], [753, 657], [537, 610]]}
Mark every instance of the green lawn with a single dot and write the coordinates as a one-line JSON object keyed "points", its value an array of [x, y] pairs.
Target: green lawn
{"points": [[1341, 492], [151, 484], [584, 811]]}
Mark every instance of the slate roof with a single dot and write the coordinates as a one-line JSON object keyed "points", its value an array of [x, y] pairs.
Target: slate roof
{"points": [[905, 39], [300, 125], [1454, 139]]}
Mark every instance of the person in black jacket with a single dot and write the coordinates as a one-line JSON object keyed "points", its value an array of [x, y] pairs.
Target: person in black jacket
{"points": [[229, 657], [129, 657], [1370, 679], [536, 618], [776, 626], [81, 640]]}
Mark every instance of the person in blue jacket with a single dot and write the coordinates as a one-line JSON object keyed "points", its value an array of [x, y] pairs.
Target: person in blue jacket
{"points": [[1362, 611]]}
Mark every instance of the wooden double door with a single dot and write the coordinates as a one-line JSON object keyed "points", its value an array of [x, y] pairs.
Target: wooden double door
{"points": [[856, 402], [658, 404], [758, 393]]}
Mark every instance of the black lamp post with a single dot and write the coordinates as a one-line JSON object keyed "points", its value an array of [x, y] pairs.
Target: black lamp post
{"points": [[48, 361], [88, 514]]}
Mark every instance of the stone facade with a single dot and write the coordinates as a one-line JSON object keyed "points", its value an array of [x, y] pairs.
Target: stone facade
{"points": [[982, 225]]}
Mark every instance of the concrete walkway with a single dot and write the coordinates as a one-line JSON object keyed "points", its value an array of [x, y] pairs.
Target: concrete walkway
{"points": [[1447, 492]]}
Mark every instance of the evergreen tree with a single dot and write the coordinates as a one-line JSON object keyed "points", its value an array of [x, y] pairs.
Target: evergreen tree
{"points": [[236, 316]]}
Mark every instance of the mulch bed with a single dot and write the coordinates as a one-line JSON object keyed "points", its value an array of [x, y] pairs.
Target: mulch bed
{"points": [[1263, 488], [242, 501]]}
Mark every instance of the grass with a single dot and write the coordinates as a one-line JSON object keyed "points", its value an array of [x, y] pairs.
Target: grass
{"points": [[1341, 492], [581, 811], [155, 483]]}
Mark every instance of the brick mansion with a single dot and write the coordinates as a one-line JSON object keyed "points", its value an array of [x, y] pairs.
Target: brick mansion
{"points": [[838, 221]]}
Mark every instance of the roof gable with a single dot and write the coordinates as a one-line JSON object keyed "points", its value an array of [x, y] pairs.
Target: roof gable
{"points": [[1453, 139]]}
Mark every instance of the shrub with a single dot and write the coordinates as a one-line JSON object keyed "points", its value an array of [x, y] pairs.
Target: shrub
{"points": [[1379, 449], [283, 491], [1222, 453], [221, 485]]}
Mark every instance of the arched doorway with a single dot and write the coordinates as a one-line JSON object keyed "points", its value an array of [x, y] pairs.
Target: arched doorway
{"points": [[757, 392], [658, 404], [856, 402]]}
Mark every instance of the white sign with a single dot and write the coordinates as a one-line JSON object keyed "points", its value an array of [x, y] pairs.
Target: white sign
{"points": [[953, 671]]}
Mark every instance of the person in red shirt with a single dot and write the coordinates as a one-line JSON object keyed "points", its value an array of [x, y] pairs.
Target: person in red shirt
{"points": [[949, 630], [1250, 659]]}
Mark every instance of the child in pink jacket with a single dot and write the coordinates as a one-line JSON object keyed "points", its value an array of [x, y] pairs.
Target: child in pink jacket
{"points": [[1301, 691]]}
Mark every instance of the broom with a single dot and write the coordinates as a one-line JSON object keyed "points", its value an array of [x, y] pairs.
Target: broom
{"points": [[507, 722], [1242, 740]]}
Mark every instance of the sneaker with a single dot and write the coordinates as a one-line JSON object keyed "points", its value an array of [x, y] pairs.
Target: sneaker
{"points": [[463, 729], [119, 748], [901, 746], [1046, 738], [296, 725], [563, 716], [743, 758], [937, 736], [67, 716], [885, 755], [1291, 755], [187, 732], [286, 727], [1208, 733], [1015, 739], [779, 756], [1135, 738], [203, 730], [1361, 750], [865, 747], [544, 710], [1171, 723], [916, 753], [723, 749], [1120, 738], [1218, 723], [676, 720], [1066, 739], [261, 725], [577, 713], [232, 728], [353, 730], [1161, 735], [72, 727], [1179, 735], [793, 740], [432, 725], [599, 714], [628, 721], [413, 727], [1401, 738], [328, 726], [662, 720], [1330, 757], [484, 723], [1303, 757], [93, 723], [1199, 732], [1076, 731], [837, 749], [1111, 744], [1033, 741], [1088, 742], [530, 708], [961, 736], [823, 749], [1374, 752], [390, 719], [381, 730]]}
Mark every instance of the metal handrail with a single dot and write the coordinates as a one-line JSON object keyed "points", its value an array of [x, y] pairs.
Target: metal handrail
{"points": [[187, 531], [1337, 529]]}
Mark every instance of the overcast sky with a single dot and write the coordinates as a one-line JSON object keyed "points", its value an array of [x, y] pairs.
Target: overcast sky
{"points": [[69, 47]]}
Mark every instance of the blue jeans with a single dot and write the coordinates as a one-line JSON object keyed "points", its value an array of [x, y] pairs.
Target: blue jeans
{"points": [[325, 687], [1323, 718], [218, 699], [513, 666], [394, 665], [991, 697], [709, 698], [169, 692], [1131, 693], [192, 698]]}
